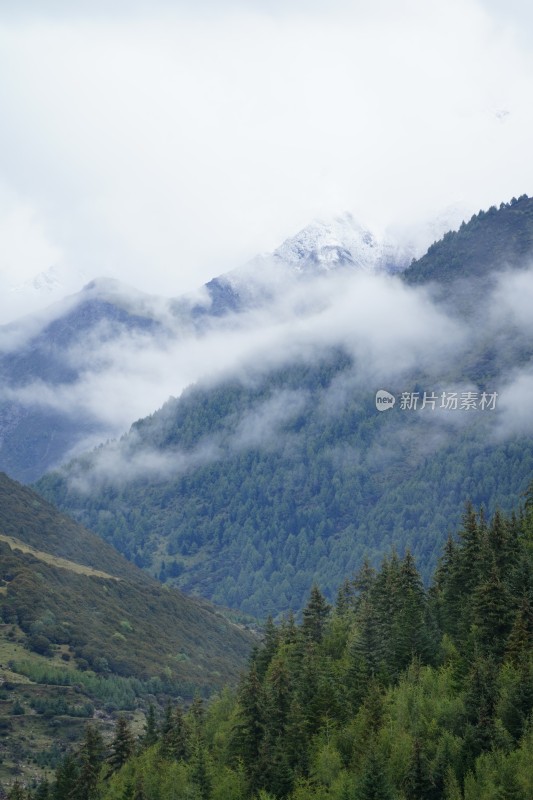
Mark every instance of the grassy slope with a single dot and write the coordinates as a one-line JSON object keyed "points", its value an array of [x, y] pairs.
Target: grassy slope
{"points": [[117, 637], [54, 561], [25, 516]]}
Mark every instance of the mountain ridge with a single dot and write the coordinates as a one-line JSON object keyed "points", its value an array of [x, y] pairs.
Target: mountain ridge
{"points": [[268, 481]]}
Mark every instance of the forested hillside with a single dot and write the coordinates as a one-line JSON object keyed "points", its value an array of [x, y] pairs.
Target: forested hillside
{"points": [[491, 240], [333, 483], [247, 488], [395, 692]]}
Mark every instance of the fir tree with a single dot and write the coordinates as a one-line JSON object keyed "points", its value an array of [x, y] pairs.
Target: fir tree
{"points": [[469, 561], [374, 784], [419, 784], [278, 697], [297, 740], [520, 641], [66, 778], [315, 615], [122, 746], [174, 740], [385, 596], [270, 643], [452, 789], [410, 633], [503, 542], [91, 758], [365, 653], [346, 598], [248, 732], [446, 593], [491, 613], [150, 735], [199, 773]]}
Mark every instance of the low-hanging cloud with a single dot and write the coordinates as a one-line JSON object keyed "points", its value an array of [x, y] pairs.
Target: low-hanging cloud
{"points": [[132, 457], [515, 404], [163, 143], [385, 326], [512, 300], [391, 331]]}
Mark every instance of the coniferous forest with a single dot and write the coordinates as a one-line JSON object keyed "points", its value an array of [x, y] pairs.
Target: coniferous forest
{"points": [[266, 400], [397, 691]]}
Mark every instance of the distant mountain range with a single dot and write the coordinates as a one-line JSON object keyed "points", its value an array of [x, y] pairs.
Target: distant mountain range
{"points": [[252, 485], [47, 412]]}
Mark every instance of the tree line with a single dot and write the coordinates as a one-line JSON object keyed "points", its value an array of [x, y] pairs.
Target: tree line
{"points": [[396, 691]]}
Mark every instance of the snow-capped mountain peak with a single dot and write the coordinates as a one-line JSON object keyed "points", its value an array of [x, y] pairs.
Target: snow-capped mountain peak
{"points": [[326, 245]]}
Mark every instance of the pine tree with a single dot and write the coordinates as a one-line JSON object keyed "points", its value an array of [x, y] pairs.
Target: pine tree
{"points": [[199, 773], [248, 733], [270, 644], [91, 758], [150, 735], [364, 580], [468, 574], [480, 701], [66, 778], [308, 687], [297, 740], [365, 653], [491, 613], [352, 591], [386, 597], [372, 710], [346, 597], [452, 789], [446, 592], [276, 776], [419, 784], [374, 784], [175, 735], [503, 541], [122, 746], [278, 693], [410, 635], [520, 641], [315, 615]]}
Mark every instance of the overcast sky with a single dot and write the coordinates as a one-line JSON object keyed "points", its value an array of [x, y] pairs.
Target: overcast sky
{"points": [[163, 143]]}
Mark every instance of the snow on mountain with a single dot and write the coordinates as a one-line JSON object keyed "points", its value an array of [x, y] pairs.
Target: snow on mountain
{"points": [[326, 245], [343, 241], [322, 247], [38, 292]]}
